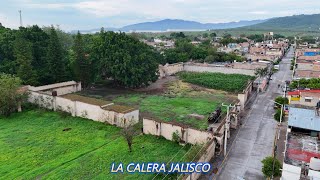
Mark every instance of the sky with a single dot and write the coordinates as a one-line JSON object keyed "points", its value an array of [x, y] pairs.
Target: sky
{"points": [[93, 14]]}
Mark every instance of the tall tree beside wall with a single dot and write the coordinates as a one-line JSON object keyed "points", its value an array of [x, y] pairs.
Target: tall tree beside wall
{"points": [[57, 65], [126, 60], [23, 54], [7, 60], [39, 39], [81, 64]]}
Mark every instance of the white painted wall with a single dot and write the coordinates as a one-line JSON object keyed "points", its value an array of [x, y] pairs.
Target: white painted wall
{"points": [[217, 69], [80, 109], [290, 172], [166, 130]]}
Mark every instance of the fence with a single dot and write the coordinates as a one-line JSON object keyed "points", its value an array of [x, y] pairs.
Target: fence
{"points": [[85, 110]]}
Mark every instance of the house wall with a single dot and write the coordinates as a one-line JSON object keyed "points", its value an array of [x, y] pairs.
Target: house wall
{"points": [[80, 109], [166, 130], [302, 101], [170, 69], [290, 172], [244, 96]]}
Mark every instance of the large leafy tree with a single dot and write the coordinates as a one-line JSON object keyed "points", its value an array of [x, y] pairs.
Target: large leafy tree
{"points": [[7, 60], [81, 64], [9, 95], [39, 40], [23, 54], [126, 60], [55, 58]]}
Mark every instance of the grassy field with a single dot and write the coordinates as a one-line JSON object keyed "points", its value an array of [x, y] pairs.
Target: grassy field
{"points": [[234, 83], [179, 101], [34, 145]]}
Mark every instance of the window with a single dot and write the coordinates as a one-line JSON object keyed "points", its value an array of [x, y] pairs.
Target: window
{"points": [[307, 99]]}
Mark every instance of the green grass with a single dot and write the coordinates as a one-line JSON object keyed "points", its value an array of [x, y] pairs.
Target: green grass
{"points": [[34, 145], [234, 83], [175, 108]]}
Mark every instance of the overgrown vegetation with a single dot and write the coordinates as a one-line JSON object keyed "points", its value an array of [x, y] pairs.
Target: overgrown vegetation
{"points": [[234, 83], [43, 145], [313, 83], [10, 97]]}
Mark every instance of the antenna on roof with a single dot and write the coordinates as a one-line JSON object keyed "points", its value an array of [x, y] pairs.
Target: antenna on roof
{"points": [[21, 25]]}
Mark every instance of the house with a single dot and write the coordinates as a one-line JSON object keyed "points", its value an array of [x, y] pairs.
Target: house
{"points": [[301, 156], [304, 97]]}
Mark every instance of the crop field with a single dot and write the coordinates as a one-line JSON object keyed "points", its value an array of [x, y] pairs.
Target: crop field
{"points": [[233, 83], [33, 145]]}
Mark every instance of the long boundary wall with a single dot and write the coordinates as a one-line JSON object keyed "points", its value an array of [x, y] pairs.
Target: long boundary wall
{"points": [[85, 110], [166, 129]]}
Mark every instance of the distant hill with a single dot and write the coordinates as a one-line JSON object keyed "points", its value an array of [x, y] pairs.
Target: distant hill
{"points": [[291, 23], [177, 24]]}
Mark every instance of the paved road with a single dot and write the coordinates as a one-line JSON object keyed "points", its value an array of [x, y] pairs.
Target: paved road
{"points": [[255, 138]]}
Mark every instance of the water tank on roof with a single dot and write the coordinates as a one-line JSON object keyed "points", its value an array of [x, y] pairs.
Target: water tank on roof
{"points": [[315, 164]]}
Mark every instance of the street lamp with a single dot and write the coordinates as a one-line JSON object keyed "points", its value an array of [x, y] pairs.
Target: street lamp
{"points": [[282, 107]]}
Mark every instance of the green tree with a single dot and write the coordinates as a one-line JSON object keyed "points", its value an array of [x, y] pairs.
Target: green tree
{"points": [[261, 72], [271, 167], [39, 43], [9, 95], [55, 58], [81, 64], [212, 35], [23, 54], [124, 59]]}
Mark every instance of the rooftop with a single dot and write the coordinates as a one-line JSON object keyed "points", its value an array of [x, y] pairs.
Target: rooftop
{"points": [[304, 119], [307, 74], [298, 92], [301, 148]]}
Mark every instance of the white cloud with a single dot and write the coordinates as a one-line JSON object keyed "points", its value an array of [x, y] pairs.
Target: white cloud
{"points": [[9, 22], [259, 12]]}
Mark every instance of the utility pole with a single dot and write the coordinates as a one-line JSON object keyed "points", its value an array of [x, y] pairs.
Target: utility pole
{"points": [[227, 127], [21, 25]]}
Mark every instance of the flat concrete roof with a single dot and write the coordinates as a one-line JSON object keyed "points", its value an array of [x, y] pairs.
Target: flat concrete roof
{"points": [[301, 148], [304, 119]]}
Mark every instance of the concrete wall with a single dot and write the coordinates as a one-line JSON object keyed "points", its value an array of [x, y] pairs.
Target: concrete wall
{"points": [[170, 69], [209, 152], [244, 96], [166, 130], [218, 69], [80, 109], [61, 88]]}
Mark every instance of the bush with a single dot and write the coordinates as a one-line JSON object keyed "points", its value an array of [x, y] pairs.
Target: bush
{"points": [[176, 137], [268, 168], [277, 115]]}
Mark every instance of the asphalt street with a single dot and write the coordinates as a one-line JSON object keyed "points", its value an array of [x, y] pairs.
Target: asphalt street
{"points": [[254, 141]]}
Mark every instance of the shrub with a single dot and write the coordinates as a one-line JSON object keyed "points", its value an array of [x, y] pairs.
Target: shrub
{"points": [[175, 137], [271, 166], [277, 115]]}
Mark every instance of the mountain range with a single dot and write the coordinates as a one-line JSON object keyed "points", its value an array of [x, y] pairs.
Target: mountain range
{"points": [[295, 22], [177, 24]]}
